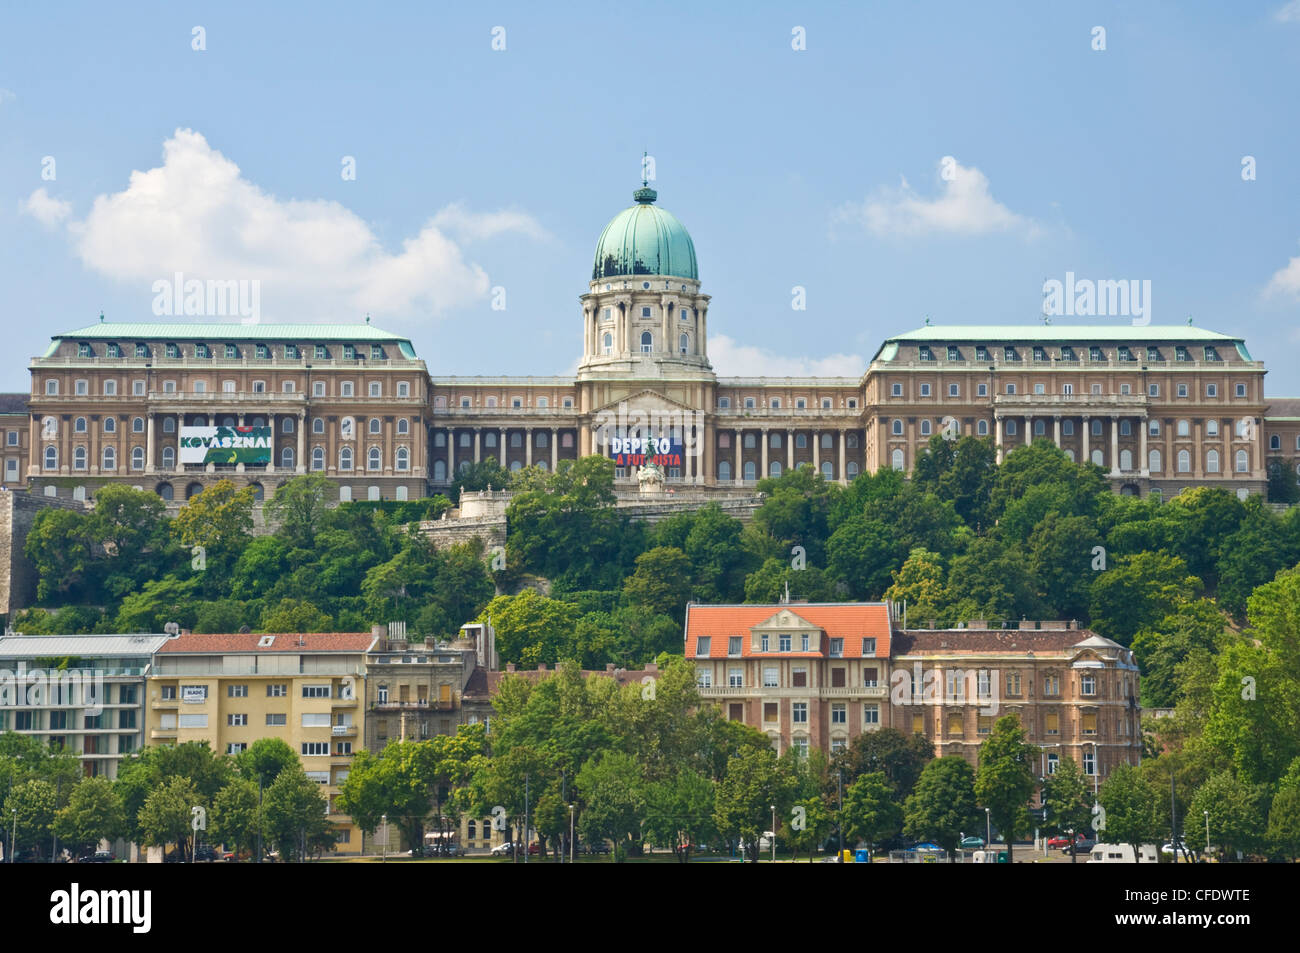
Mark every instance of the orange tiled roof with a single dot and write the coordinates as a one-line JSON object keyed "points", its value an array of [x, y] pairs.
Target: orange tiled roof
{"points": [[241, 643], [850, 621]]}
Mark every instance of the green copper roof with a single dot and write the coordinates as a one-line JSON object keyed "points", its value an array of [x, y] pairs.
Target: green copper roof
{"points": [[109, 330], [1064, 333], [645, 240]]}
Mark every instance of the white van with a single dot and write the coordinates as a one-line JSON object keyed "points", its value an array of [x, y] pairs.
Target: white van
{"points": [[1123, 854]]}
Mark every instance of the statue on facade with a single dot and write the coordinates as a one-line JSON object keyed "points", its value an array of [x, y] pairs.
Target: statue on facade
{"points": [[650, 479]]}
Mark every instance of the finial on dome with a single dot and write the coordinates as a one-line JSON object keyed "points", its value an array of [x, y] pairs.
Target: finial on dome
{"points": [[645, 195]]}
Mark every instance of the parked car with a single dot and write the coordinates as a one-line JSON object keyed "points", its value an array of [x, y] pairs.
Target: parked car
{"points": [[100, 857], [595, 847], [1083, 845], [206, 854], [1062, 840], [972, 842], [503, 850]]}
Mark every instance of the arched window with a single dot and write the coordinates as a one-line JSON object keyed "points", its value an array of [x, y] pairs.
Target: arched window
{"points": [[566, 441], [318, 458], [1183, 428], [1069, 455], [897, 428], [166, 492], [925, 428], [79, 425], [1275, 442], [826, 441], [286, 458], [374, 425], [647, 342], [828, 471], [137, 458], [516, 439], [404, 427], [1153, 427], [774, 468], [775, 441], [137, 425], [403, 458], [257, 422], [51, 458], [345, 428], [490, 440], [202, 421], [541, 465], [1125, 428], [79, 458], [982, 428], [1009, 427], [1212, 461], [1098, 458], [227, 421], [1096, 427], [750, 443], [724, 471], [1040, 428], [318, 425], [543, 439], [1067, 428], [373, 459], [259, 493], [1153, 461], [372, 493], [851, 470], [110, 425], [169, 458], [1126, 459], [400, 493], [440, 470], [286, 425], [751, 471], [345, 494], [515, 465], [1243, 462], [193, 490], [896, 459], [345, 458], [607, 343], [1184, 462], [684, 343], [169, 425]]}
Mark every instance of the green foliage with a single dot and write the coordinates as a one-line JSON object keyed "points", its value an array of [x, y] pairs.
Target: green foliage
{"points": [[615, 798], [872, 811], [942, 805], [1067, 795], [755, 782], [1237, 814], [661, 583], [293, 815], [29, 809], [94, 812], [264, 760], [1006, 779], [1131, 805], [236, 815], [165, 816], [1138, 591]]}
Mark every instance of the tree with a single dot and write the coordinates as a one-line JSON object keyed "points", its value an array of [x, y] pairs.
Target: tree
{"points": [[531, 628], [294, 615], [754, 782], [1060, 557], [796, 510], [479, 476], [293, 815], [236, 815], [614, 800], [1160, 648], [94, 812], [152, 768], [29, 810], [942, 806], [264, 760], [59, 547], [1139, 591], [165, 817], [1067, 798], [900, 757], [219, 519], [1005, 780], [1132, 815], [1282, 485], [775, 577], [299, 508], [920, 583], [872, 811], [661, 583], [1284, 824], [1238, 821]]}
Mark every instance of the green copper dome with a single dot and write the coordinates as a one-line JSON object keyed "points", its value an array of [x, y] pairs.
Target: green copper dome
{"points": [[645, 240]]}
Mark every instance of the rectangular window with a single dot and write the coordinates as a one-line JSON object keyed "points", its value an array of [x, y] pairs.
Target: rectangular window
{"points": [[955, 725], [766, 645], [769, 711], [870, 677], [315, 691], [1090, 723], [126, 718], [315, 748], [803, 642], [868, 647], [799, 713], [1052, 724], [733, 645], [345, 747], [237, 747], [277, 720], [702, 646], [918, 724], [735, 678], [837, 648], [1088, 684], [316, 719], [985, 724], [194, 721], [1052, 685], [799, 677], [784, 643], [277, 691], [237, 720], [236, 691], [839, 714], [770, 678], [837, 677]]}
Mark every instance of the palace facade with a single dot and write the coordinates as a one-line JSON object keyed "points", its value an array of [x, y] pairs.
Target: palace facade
{"points": [[1159, 408]]}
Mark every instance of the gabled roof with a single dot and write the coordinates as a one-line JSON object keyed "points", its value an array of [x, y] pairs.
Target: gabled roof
{"points": [[255, 643], [850, 621]]}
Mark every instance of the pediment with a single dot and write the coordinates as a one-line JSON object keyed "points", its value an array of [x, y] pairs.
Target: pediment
{"points": [[785, 620], [644, 404]]}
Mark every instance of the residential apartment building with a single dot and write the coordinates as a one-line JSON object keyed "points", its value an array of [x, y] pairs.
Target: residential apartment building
{"points": [[1160, 408], [230, 690], [416, 690], [815, 675], [1075, 692], [82, 693], [808, 675]]}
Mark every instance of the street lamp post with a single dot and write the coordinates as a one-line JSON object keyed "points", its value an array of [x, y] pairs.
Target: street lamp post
{"points": [[988, 828], [839, 817], [1207, 832], [13, 836], [571, 833], [773, 832], [1096, 770]]}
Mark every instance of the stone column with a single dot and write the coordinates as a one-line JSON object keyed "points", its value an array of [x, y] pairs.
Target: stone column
{"points": [[528, 446], [1143, 462], [555, 448], [1056, 429], [1029, 430], [789, 449], [817, 450], [763, 474], [301, 459], [501, 448], [1087, 437], [1198, 452], [738, 436], [667, 317], [844, 473], [997, 435], [1114, 445], [149, 444], [451, 454], [478, 444]]}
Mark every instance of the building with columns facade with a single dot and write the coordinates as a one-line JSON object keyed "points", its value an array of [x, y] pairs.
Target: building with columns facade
{"points": [[1159, 408]]}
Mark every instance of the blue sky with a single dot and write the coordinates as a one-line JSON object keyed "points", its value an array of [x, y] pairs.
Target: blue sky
{"points": [[820, 168]]}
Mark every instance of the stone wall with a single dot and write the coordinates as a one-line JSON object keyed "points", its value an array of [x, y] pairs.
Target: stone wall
{"points": [[17, 575]]}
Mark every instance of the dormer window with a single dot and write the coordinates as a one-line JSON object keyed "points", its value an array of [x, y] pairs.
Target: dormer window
{"points": [[926, 354], [1125, 354], [954, 353], [1040, 354], [702, 645], [981, 352], [1180, 353], [1095, 354], [1211, 353], [1153, 354], [1010, 354], [1067, 353]]}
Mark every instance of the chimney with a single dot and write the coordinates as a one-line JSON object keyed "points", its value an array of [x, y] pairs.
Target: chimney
{"points": [[378, 631]]}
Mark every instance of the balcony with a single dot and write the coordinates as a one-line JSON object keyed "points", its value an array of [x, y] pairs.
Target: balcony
{"points": [[1071, 403], [796, 692], [349, 702], [343, 730], [157, 733]]}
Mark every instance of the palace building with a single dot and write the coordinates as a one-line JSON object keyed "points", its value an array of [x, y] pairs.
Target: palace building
{"points": [[174, 407]]}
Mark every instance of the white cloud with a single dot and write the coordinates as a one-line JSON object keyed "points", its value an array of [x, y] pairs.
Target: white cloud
{"points": [[1286, 280], [1289, 12], [6, 95], [316, 259], [964, 206], [731, 359], [46, 209]]}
